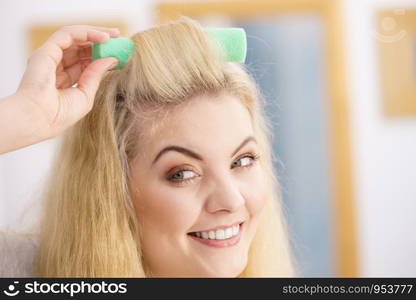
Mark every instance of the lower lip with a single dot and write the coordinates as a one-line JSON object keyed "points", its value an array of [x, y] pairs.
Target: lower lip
{"points": [[220, 243]]}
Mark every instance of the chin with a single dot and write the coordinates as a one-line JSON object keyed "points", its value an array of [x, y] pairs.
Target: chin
{"points": [[230, 271]]}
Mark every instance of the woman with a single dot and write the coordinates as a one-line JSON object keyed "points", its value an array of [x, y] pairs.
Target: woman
{"points": [[169, 175]]}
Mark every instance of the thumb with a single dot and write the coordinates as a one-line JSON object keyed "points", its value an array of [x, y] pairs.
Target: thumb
{"points": [[91, 76]]}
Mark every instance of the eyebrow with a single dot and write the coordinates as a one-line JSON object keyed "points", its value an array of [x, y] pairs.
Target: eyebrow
{"points": [[192, 154]]}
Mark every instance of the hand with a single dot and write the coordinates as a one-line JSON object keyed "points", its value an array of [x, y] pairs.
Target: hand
{"points": [[53, 69]]}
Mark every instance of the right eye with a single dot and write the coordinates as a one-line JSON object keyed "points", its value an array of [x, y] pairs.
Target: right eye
{"points": [[182, 176]]}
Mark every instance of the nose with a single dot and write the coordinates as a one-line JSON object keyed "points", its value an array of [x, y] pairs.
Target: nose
{"points": [[225, 196]]}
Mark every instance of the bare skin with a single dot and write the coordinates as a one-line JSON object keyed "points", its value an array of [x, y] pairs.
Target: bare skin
{"points": [[46, 103], [220, 186]]}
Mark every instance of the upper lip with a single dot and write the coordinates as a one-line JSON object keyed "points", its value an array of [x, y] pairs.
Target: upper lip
{"points": [[219, 227]]}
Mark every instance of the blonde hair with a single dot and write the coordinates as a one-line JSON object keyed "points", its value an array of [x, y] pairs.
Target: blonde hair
{"points": [[89, 227]]}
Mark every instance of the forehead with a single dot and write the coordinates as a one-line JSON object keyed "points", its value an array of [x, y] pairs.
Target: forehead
{"points": [[205, 121]]}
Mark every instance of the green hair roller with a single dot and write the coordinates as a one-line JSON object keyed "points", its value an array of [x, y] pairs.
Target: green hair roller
{"points": [[233, 40]]}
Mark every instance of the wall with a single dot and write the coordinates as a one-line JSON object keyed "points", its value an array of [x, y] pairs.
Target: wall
{"points": [[383, 152]]}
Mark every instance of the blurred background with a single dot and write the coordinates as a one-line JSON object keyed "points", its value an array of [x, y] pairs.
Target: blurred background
{"points": [[339, 78]]}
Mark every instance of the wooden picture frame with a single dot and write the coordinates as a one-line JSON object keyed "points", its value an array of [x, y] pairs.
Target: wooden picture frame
{"points": [[396, 36]]}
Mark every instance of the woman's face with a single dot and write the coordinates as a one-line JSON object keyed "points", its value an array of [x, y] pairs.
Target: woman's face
{"points": [[199, 190]]}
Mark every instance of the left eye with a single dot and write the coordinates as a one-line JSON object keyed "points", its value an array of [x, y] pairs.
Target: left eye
{"points": [[243, 162]]}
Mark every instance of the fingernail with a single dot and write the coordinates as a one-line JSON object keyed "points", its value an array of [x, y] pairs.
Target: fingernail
{"points": [[113, 63]]}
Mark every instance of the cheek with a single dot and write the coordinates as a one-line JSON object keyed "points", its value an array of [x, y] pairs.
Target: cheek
{"points": [[165, 209], [256, 192]]}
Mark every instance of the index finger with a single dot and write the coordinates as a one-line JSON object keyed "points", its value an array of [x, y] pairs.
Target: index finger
{"points": [[70, 35]]}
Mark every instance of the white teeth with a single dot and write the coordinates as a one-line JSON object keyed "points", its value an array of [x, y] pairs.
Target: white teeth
{"points": [[228, 233], [236, 229], [220, 234]]}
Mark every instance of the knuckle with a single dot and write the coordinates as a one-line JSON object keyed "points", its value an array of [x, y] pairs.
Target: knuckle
{"points": [[67, 28], [57, 34], [72, 28], [33, 57]]}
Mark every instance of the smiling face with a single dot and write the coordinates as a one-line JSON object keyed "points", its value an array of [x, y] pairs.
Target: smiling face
{"points": [[198, 189]]}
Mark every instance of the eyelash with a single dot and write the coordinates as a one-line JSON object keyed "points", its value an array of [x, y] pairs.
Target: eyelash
{"points": [[254, 158]]}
